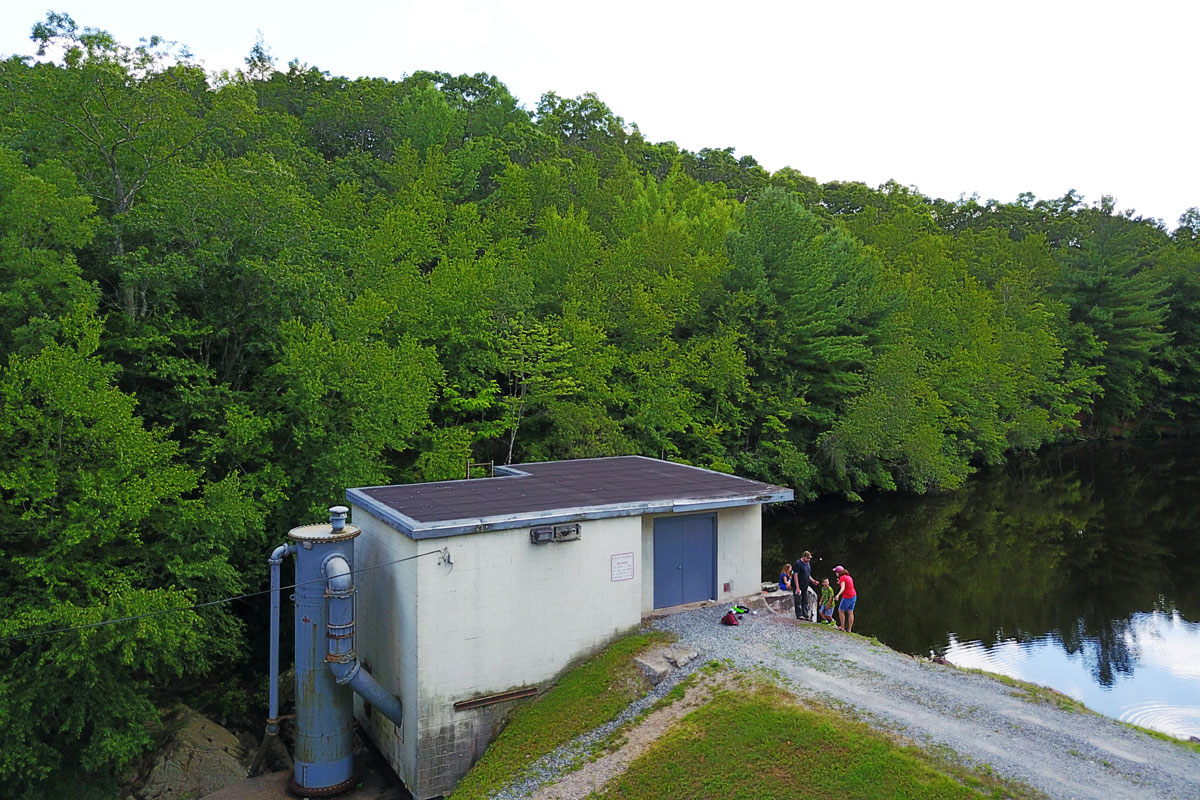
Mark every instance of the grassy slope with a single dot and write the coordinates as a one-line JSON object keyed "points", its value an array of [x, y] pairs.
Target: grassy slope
{"points": [[584, 698], [759, 744], [754, 743]]}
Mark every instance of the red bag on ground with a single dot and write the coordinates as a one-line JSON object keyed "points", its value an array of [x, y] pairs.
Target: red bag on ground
{"points": [[729, 619]]}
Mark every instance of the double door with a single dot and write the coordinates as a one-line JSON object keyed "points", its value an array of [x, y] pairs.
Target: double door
{"points": [[685, 559]]}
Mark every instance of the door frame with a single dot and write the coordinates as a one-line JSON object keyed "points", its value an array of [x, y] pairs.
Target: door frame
{"points": [[712, 578]]}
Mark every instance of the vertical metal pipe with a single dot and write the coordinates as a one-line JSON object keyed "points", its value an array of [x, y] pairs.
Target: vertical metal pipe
{"points": [[273, 691], [327, 668], [339, 630], [272, 728]]}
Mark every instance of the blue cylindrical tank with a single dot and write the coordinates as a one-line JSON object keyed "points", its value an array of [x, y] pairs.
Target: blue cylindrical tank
{"points": [[324, 757]]}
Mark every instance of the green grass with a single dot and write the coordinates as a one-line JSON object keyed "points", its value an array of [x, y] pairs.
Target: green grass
{"points": [[759, 744], [676, 694], [584, 698], [1166, 737]]}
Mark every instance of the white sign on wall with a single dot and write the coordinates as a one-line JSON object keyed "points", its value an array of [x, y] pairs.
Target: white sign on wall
{"points": [[622, 566]]}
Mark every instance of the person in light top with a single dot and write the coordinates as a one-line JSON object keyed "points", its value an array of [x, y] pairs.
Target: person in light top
{"points": [[845, 597]]}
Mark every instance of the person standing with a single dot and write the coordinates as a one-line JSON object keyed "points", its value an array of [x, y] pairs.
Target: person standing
{"points": [[801, 579], [825, 604], [845, 598]]}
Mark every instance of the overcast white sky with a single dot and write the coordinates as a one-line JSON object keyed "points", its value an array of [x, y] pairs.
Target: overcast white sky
{"points": [[954, 98]]}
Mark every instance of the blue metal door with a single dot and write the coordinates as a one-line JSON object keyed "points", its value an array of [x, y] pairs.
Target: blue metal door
{"points": [[699, 557], [668, 562], [685, 559]]}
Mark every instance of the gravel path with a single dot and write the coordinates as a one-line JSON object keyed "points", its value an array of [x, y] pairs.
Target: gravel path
{"points": [[1065, 754], [592, 776]]}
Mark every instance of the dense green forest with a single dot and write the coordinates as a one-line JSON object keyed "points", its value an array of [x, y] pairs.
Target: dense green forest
{"points": [[226, 298]]}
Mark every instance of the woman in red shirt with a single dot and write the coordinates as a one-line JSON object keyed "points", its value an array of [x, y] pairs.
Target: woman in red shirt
{"points": [[846, 595]]}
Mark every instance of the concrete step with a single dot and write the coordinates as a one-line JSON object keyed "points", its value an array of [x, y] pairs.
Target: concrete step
{"points": [[679, 656], [653, 665]]}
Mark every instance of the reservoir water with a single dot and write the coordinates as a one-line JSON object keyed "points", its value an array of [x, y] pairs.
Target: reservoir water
{"points": [[1078, 569]]}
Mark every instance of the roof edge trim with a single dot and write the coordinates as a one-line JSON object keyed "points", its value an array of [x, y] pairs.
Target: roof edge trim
{"points": [[401, 522], [430, 530]]}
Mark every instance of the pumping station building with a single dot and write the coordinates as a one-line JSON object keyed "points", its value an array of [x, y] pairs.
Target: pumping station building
{"points": [[469, 596]]}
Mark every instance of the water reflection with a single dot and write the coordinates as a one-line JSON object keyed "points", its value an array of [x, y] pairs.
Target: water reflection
{"points": [[1079, 570], [1164, 652]]}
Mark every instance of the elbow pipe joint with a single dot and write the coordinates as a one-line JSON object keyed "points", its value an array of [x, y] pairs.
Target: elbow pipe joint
{"points": [[337, 576], [344, 671]]}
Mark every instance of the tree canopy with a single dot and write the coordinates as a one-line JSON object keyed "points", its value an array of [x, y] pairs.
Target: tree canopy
{"points": [[226, 298]]}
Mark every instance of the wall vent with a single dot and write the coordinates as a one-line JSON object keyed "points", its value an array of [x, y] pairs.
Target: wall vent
{"points": [[541, 534]]}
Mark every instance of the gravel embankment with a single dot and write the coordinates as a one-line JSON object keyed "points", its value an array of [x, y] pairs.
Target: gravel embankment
{"points": [[986, 722]]}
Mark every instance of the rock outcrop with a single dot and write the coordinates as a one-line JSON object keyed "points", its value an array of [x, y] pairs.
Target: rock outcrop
{"points": [[200, 757]]}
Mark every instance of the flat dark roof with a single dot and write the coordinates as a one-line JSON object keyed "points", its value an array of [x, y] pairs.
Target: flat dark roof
{"points": [[559, 491]]}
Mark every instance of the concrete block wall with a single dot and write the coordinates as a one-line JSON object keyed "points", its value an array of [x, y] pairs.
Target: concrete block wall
{"points": [[503, 614], [450, 750], [386, 632], [511, 615], [739, 551]]}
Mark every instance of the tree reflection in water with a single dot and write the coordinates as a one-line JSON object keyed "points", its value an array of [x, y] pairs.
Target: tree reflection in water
{"points": [[1067, 545]]}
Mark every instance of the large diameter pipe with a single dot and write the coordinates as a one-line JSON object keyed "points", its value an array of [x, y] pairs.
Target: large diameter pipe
{"points": [[324, 757], [340, 653], [327, 668]]}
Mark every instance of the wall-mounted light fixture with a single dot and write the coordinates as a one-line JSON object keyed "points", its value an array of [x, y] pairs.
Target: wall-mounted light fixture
{"points": [[566, 533], [544, 534]]}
